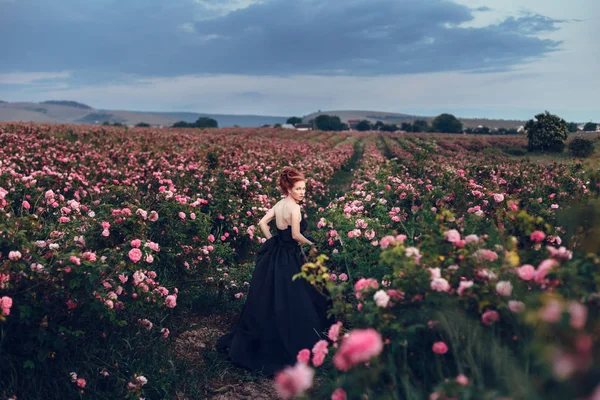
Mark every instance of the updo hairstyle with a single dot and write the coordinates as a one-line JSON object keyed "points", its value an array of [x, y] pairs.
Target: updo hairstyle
{"points": [[288, 178]]}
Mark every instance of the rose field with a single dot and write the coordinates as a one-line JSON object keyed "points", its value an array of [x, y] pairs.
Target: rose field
{"points": [[458, 267]]}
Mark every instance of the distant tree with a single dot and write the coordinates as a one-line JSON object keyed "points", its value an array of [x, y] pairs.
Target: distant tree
{"points": [[277, 126], [117, 124], [266, 126], [143, 125], [484, 130], [573, 127], [378, 125], [294, 120], [406, 126], [206, 122], [447, 123], [106, 123], [389, 128], [548, 133], [363, 126], [182, 124], [326, 122], [421, 126], [590, 127]]}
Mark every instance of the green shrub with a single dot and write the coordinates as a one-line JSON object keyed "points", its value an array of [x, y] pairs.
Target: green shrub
{"points": [[581, 147]]}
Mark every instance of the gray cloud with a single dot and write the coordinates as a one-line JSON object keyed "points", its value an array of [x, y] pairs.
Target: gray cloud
{"points": [[276, 37]]}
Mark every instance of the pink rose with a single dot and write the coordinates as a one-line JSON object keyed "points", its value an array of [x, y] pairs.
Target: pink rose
{"points": [[334, 331], [462, 380], [498, 198], [136, 243], [526, 272], [537, 236], [462, 286], [543, 269], [439, 348], [293, 381], [360, 346], [303, 356], [452, 235], [578, 314], [135, 255], [516, 306], [440, 285], [489, 317], [171, 301], [343, 277], [338, 394], [504, 288]]}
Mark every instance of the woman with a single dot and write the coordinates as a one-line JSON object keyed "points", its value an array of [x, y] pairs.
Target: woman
{"points": [[280, 316]]}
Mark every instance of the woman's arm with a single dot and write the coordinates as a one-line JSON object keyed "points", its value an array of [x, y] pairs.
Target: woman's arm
{"points": [[296, 234], [264, 223]]}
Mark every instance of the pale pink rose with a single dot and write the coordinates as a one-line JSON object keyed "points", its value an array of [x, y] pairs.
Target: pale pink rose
{"points": [[343, 277], [123, 278], [334, 331], [165, 332], [26, 204], [338, 394], [462, 380], [596, 394], [171, 301], [516, 306], [359, 346], [363, 284], [563, 365], [504, 288], [105, 233], [238, 295], [381, 298], [149, 259], [14, 255], [498, 198], [578, 314], [472, 239], [561, 252], [318, 359], [294, 381], [136, 243], [543, 269], [552, 311], [303, 356], [537, 236], [489, 317], [153, 216], [462, 286], [439, 348], [526, 272], [181, 215], [452, 235], [135, 255], [435, 273], [440, 285]]}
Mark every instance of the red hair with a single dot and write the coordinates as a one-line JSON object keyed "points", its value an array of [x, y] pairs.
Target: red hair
{"points": [[288, 178]]}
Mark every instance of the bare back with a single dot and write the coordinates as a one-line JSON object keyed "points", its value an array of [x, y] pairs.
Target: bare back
{"points": [[283, 213]]}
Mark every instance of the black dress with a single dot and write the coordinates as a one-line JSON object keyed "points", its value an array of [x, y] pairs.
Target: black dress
{"points": [[280, 316]]}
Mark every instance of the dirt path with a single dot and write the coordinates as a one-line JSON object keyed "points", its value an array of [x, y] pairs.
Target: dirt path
{"points": [[221, 380]]}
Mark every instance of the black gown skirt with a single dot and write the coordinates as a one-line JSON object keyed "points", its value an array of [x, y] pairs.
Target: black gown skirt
{"points": [[280, 316]]}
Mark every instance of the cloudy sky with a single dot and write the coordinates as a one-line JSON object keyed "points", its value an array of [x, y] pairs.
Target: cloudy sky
{"points": [[475, 58]]}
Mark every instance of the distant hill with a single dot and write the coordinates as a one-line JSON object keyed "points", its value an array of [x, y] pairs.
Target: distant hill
{"points": [[2, 101], [66, 111], [67, 103]]}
